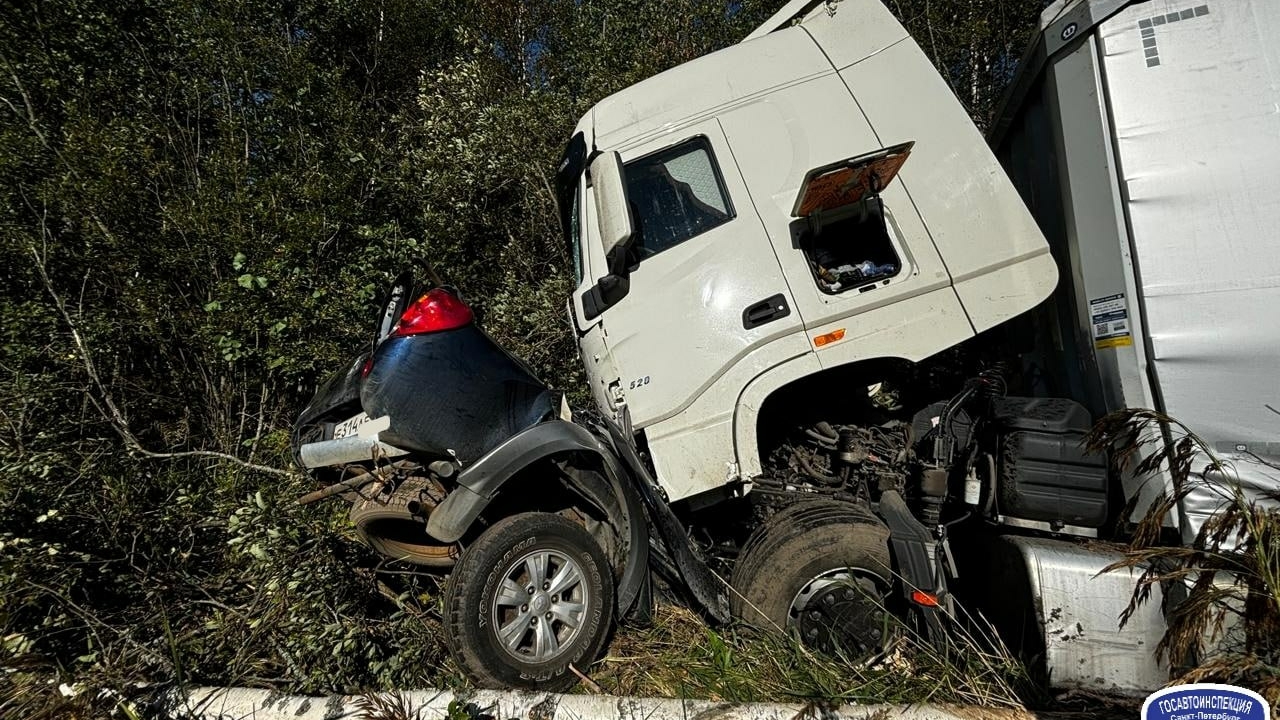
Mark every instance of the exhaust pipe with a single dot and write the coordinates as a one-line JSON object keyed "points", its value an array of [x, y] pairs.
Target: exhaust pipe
{"points": [[354, 484], [344, 451]]}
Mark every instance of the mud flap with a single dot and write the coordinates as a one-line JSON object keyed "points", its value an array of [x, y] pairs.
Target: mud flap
{"points": [[911, 543]]}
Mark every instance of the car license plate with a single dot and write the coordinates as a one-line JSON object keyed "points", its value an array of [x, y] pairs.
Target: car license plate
{"points": [[351, 426]]}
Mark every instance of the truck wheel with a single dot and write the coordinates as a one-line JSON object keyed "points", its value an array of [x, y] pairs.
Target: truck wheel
{"points": [[821, 569], [532, 595], [387, 525]]}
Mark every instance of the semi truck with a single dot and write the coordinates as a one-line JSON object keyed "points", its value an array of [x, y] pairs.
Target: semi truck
{"points": [[836, 362]]}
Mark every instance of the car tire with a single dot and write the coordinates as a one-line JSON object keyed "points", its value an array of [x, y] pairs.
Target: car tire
{"points": [[531, 596], [820, 569], [386, 524]]}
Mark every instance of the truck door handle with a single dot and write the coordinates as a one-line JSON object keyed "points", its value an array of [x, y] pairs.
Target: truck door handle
{"points": [[765, 311]]}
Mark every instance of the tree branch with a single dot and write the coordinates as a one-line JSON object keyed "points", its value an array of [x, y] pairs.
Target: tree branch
{"points": [[106, 404]]}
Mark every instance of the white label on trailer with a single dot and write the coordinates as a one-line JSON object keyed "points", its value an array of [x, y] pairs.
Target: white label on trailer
{"points": [[1109, 317]]}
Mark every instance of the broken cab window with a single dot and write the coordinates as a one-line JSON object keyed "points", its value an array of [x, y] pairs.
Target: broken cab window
{"points": [[676, 194]]}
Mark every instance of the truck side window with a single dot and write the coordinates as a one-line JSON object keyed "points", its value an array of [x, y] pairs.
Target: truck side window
{"points": [[850, 247], [676, 194]]}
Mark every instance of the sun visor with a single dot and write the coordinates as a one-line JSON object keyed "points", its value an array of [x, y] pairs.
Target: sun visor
{"points": [[849, 181]]}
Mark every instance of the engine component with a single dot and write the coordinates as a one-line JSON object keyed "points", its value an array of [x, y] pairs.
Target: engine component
{"points": [[851, 450], [845, 461], [933, 492], [925, 425], [972, 488]]}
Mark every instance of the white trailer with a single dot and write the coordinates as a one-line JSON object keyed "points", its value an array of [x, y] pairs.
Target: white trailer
{"points": [[1145, 139]]}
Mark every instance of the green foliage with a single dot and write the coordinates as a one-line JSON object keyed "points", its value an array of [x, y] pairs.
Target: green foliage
{"points": [[171, 576]]}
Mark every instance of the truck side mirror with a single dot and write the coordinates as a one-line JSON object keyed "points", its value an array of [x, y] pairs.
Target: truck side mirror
{"points": [[613, 210]]}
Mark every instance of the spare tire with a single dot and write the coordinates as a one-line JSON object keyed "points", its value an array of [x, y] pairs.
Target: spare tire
{"points": [[819, 568], [383, 521]]}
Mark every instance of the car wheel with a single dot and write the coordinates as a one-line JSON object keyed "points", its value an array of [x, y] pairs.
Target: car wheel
{"points": [[530, 597]]}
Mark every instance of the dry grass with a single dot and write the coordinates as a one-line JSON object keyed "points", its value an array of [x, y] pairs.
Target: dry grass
{"points": [[1231, 570], [680, 656]]}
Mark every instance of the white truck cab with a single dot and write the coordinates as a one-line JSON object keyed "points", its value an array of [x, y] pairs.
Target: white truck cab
{"points": [[810, 198]]}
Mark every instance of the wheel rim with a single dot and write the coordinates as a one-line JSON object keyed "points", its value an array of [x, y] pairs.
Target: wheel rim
{"points": [[840, 610], [539, 606]]}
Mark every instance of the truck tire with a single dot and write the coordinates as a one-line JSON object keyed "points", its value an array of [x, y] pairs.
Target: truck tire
{"points": [[531, 596], [821, 569], [386, 524]]}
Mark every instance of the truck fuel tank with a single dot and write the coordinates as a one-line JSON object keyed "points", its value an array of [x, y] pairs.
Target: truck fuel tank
{"points": [[1050, 601]]}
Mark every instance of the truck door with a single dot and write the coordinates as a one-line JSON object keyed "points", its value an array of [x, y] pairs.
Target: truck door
{"points": [[705, 289]]}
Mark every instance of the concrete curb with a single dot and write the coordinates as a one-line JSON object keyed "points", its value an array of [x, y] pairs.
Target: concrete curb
{"points": [[212, 703]]}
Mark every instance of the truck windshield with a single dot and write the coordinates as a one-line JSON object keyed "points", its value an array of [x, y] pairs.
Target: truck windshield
{"points": [[568, 173]]}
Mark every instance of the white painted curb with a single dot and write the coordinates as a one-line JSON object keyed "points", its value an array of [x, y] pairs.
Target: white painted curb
{"points": [[209, 703]]}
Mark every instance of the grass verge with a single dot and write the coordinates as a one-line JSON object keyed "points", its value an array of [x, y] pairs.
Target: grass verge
{"points": [[680, 656]]}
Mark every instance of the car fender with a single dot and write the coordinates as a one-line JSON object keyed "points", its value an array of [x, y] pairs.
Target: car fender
{"points": [[480, 483]]}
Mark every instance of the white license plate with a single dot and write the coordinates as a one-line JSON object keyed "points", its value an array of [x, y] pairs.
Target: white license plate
{"points": [[351, 426]]}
